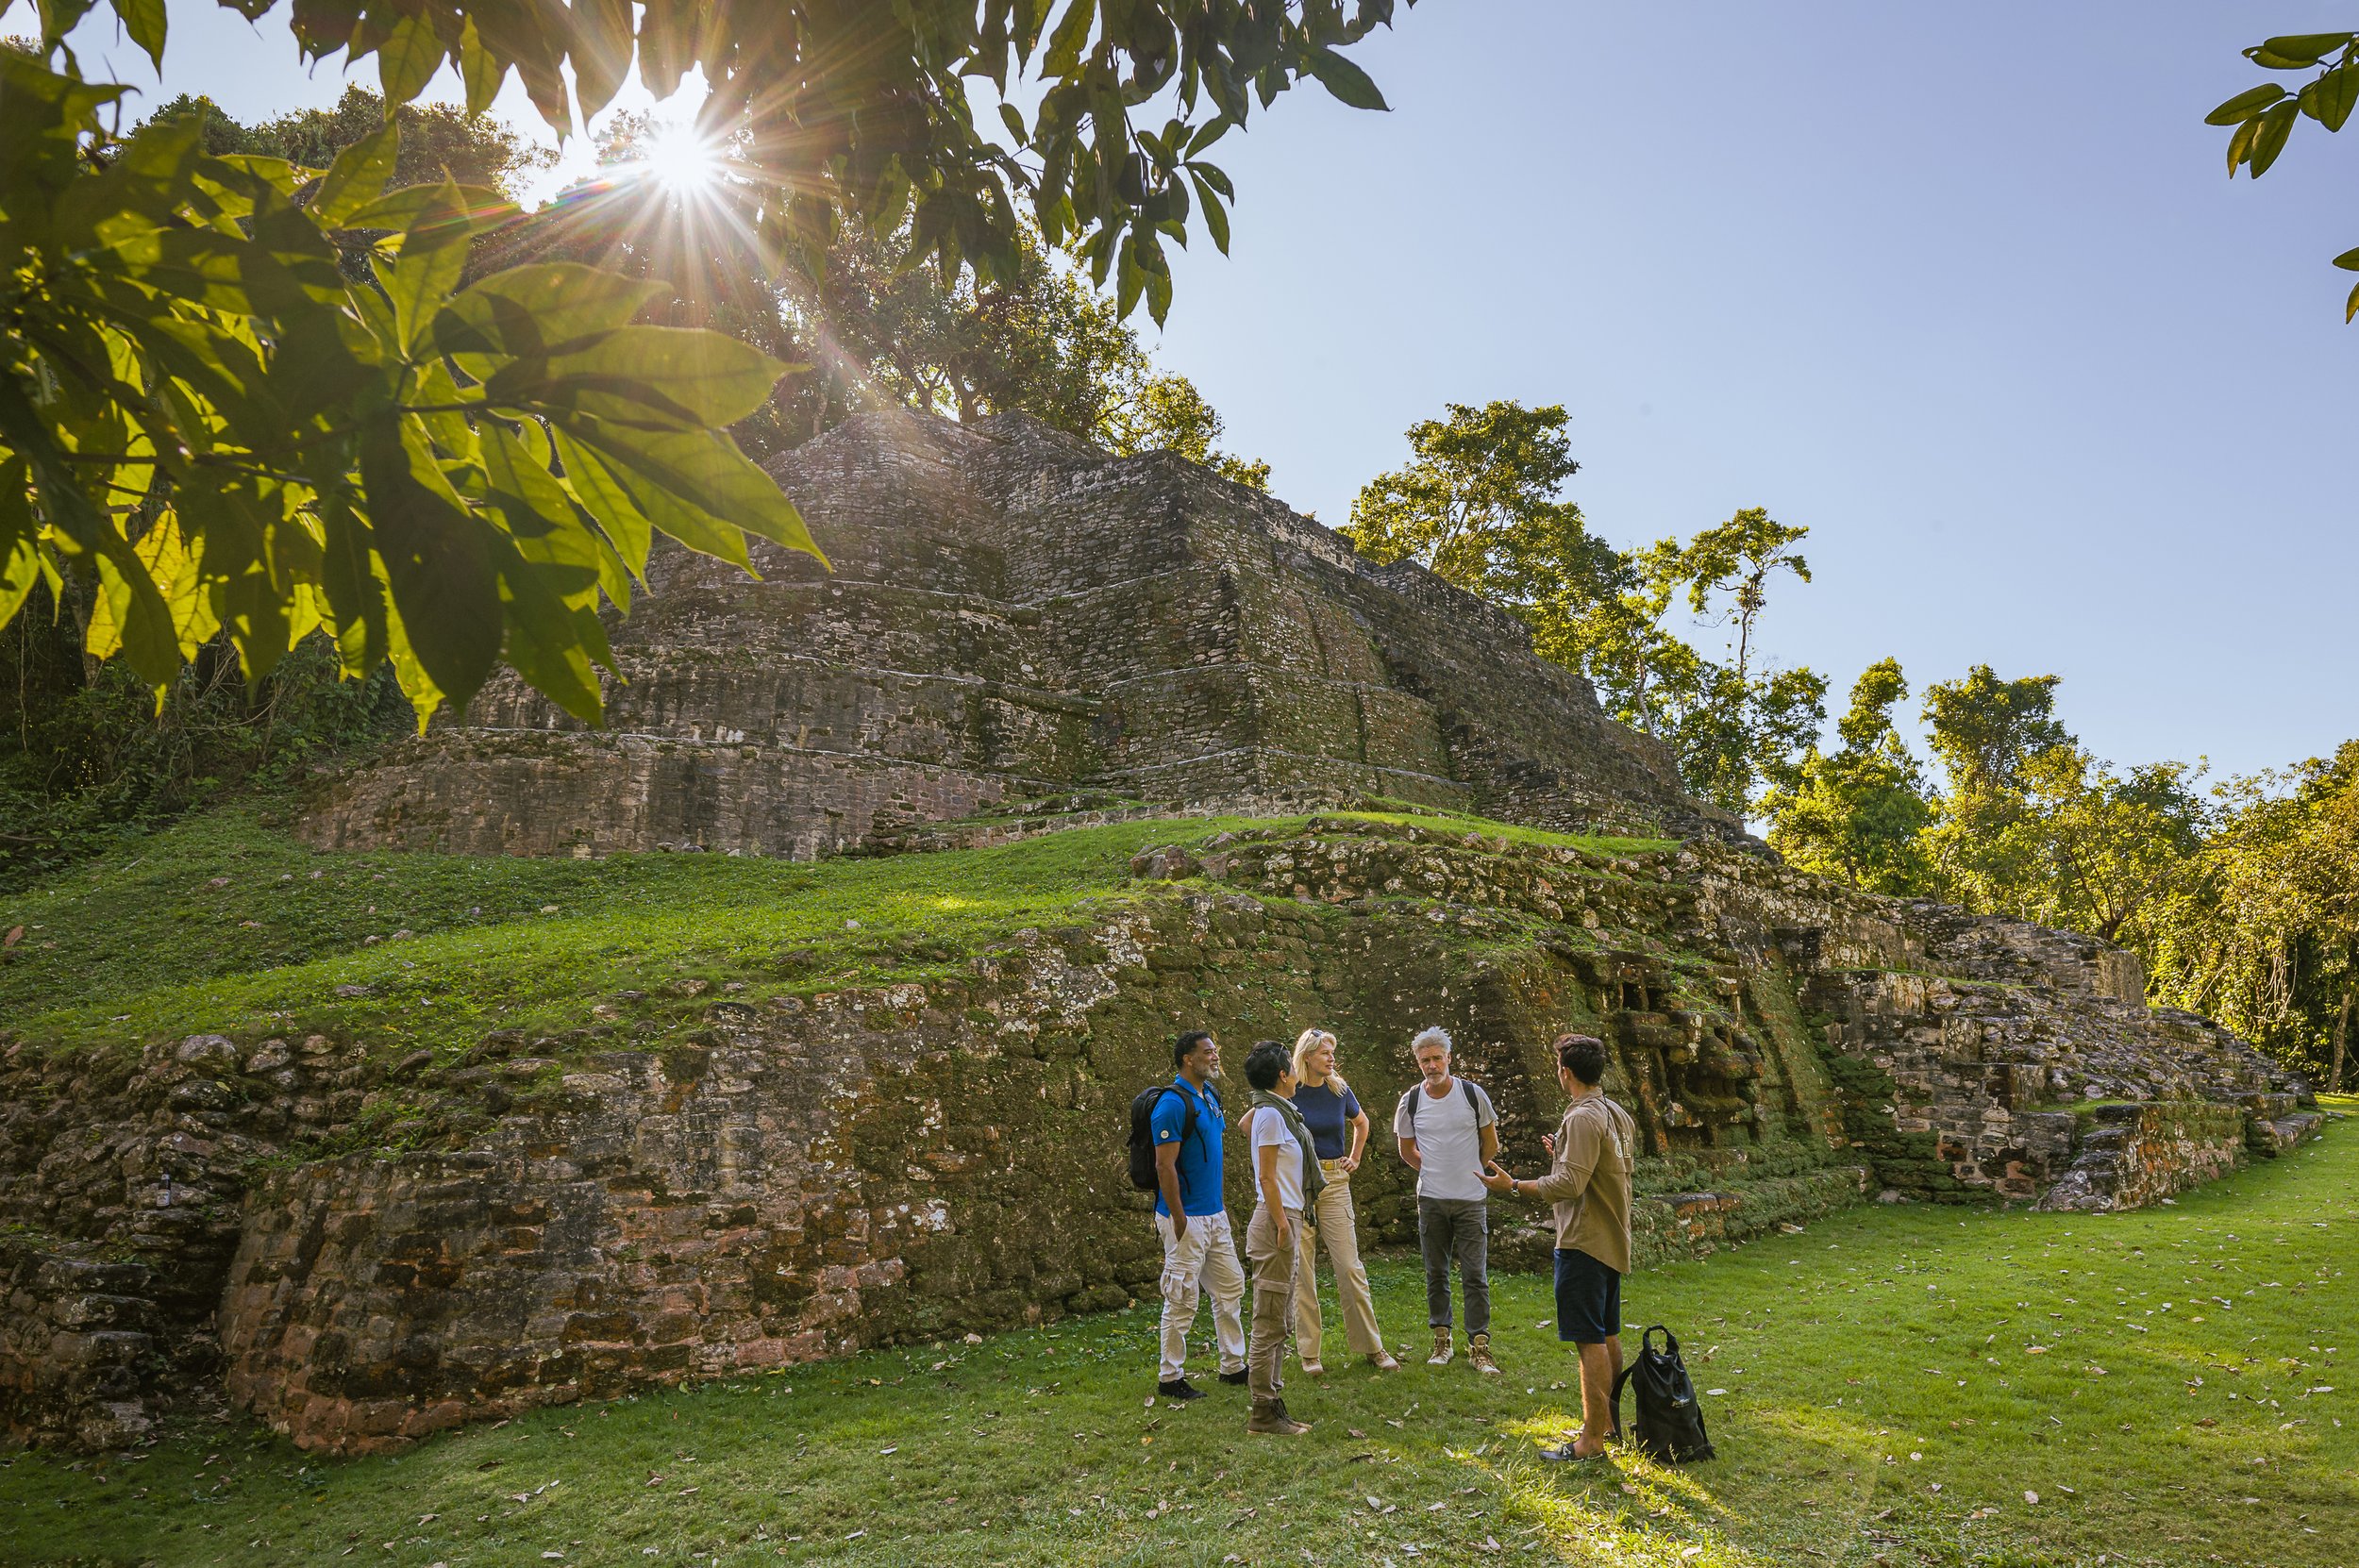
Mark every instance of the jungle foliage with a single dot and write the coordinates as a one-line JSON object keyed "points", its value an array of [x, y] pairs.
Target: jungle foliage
{"points": [[217, 423], [2240, 897]]}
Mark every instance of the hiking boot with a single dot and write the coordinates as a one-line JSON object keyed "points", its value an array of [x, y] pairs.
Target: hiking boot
{"points": [[1479, 1352], [1235, 1380], [1382, 1361], [1269, 1419], [1178, 1391], [1442, 1349]]}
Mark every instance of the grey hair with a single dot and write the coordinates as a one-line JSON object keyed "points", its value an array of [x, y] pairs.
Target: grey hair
{"points": [[1431, 1035]]}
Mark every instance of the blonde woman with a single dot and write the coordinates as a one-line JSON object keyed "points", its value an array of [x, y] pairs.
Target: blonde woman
{"points": [[1339, 1134]]}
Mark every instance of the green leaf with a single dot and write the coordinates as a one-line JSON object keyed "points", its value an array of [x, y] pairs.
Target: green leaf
{"points": [[549, 641], [1216, 216], [680, 377], [129, 615], [2240, 145], [437, 558], [534, 309], [2330, 99], [2245, 105], [2296, 51], [407, 60], [1345, 80], [1210, 132], [358, 177], [2348, 261], [433, 256], [2276, 126], [693, 485], [601, 51], [20, 556], [355, 597], [1071, 37], [145, 21], [478, 70], [20, 569], [2351, 306], [453, 211]]}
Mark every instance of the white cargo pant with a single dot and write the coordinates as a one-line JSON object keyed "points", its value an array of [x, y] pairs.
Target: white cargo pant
{"points": [[1206, 1257]]}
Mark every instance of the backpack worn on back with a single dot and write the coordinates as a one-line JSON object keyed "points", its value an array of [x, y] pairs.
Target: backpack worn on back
{"points": [[1143, 1131], [1417, 1094], [1670, 1425]]}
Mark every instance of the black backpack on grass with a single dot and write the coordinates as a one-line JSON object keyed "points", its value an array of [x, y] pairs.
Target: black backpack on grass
{"points": [[1143, 1131], [1669, 1424]]}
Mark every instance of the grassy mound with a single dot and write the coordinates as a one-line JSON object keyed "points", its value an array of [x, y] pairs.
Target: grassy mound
{"points": [[1891, 1386], [224, 923]]}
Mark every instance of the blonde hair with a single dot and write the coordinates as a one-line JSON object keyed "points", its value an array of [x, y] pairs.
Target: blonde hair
{"points": [[1310, 1041]]}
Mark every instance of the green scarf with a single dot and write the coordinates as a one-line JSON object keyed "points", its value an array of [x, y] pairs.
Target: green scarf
{"points": [[1312, 1177]]}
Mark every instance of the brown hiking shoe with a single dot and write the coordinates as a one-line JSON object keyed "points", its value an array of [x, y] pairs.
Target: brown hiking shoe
{"points": [[1442, 1351], [1269, 1419], [1382, 1361], [1479, 1352]]}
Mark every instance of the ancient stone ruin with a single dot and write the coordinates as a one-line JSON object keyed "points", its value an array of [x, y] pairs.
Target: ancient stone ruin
{"points": [[1023, 634], [1013, 616]]}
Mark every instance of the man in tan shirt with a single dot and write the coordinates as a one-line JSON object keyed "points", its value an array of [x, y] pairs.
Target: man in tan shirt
{"points": [[1588, 1180]]}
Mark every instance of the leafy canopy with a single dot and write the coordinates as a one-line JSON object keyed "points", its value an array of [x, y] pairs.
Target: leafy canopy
{"points": [[208, 418], [1856, 813], [1481, 503], [202, 413]]}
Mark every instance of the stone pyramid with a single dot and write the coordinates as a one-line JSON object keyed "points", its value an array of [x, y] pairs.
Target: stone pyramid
{"points": [[1015, 619]]}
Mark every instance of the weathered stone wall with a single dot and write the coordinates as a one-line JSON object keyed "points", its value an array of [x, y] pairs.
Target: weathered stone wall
{"points": [[2140, 1154], [78, 1356], [797, 1175], [1013, 613]]}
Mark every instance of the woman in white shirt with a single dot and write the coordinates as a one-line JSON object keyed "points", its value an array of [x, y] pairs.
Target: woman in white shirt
{"points": [[1285, 1179]]}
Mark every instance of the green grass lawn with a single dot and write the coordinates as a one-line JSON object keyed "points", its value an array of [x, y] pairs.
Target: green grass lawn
{"points": [[225, 924], [1897, 1385]]}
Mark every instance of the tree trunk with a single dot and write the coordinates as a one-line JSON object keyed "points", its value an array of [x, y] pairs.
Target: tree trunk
{"points": [[2342, 1031]]}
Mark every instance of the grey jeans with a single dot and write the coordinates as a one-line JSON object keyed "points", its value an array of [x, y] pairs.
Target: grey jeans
{"points": [[1459, 1228]]}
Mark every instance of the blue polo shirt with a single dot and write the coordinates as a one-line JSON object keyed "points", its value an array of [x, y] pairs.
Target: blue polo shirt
{"points": [[1200, 1156]]}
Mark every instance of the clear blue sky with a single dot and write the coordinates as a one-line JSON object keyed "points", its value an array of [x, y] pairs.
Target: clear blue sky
{"points": [[1964, 288]]}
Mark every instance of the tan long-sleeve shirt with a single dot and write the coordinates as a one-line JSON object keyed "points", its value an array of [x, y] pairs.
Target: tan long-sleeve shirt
{"points": [[1596, 1146]]}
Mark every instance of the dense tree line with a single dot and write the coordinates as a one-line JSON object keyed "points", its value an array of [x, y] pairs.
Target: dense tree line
{"points": [[2242, 898]]}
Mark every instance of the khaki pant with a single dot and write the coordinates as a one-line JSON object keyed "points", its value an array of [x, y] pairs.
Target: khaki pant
{"points": [[1206, 1256], [1338, 1228], [1273, 1297]]}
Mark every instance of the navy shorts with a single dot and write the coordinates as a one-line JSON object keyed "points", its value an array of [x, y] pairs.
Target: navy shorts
{"points": [[1588, 1299]]}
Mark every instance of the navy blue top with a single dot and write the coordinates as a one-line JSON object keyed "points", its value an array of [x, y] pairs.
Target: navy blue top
{"points": [[1200, 1156], [1328, 1114]]}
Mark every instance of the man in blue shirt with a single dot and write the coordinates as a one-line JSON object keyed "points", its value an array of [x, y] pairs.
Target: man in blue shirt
{"points": [[1192, 1218]]}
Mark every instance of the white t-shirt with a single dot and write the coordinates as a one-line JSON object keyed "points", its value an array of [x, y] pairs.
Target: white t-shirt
{"points": [[1269, 1127], [1449, 1138]]}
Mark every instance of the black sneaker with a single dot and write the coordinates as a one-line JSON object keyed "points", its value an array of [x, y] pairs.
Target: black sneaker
{"points": [[1178, 1391], [1237, 1378]]}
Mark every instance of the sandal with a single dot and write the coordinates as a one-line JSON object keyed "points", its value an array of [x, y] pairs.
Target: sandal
{"points": [[1565, 1455]]}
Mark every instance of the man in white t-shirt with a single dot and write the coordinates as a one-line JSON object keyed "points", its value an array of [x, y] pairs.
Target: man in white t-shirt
{"points": [[1450, 1135]]}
